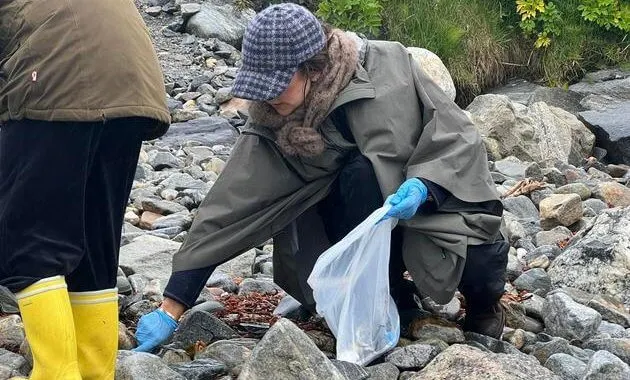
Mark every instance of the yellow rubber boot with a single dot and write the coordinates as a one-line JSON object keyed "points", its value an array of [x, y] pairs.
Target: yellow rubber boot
{"points": [[49, 327], [96, 326]]}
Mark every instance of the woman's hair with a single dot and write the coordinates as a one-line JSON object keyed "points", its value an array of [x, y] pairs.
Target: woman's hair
{"points": [[319, 61]]}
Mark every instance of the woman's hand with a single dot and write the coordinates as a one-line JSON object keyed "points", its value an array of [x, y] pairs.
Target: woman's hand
{"points": [[405, 202], [154, 329]]}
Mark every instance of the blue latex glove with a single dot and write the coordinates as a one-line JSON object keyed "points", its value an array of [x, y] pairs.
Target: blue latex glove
{"points": [[405, 202], [153, 330]]}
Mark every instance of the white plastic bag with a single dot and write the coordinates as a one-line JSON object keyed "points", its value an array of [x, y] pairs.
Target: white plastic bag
{"points": [[350, 284]]}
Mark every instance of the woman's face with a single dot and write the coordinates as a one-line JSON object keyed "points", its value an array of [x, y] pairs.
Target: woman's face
{"points": [[293, 96]]}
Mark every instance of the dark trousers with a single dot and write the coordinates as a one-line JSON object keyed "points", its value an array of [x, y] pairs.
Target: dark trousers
{"points": [[353, 197], [64, 187]]}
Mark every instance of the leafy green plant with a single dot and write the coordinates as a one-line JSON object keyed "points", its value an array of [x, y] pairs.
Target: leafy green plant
{"points": [[539, 18], [363, 16], [607, 13]]}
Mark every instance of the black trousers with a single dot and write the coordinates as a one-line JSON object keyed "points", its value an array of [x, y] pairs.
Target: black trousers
{"points": [[64, 187], [354, 196]]}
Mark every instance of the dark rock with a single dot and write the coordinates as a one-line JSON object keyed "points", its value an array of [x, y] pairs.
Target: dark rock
{"points": [[200, 369], [612, 131], [201, 326], [8, 302], [206, 131], [534, 280], [521, 206]]}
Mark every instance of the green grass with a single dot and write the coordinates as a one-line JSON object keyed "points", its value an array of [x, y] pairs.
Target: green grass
{"points": [[481, 44]]}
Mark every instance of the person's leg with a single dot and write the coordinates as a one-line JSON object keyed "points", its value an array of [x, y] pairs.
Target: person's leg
{"points": [[482, 284], [92, 284], [43, 171]]}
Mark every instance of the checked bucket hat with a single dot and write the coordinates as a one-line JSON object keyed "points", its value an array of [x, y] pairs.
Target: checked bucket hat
{"points": [[277, 40]]}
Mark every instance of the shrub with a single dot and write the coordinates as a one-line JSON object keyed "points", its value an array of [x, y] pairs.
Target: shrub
{"points": [[363, 16]]}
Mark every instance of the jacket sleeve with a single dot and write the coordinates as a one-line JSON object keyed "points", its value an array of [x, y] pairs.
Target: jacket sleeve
{"points": [[449, 152]]}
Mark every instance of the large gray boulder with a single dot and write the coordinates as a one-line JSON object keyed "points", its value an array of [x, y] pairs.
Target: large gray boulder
{"points": [[538, 133], [597, 259], [465, 362], [150, 255], [612, 131], [434, 67], [224, 22], [568, 319], [286, 352]]}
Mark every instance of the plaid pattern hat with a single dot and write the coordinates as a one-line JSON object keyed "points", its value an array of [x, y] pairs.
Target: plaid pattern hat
{"points": [[276, 42]]}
